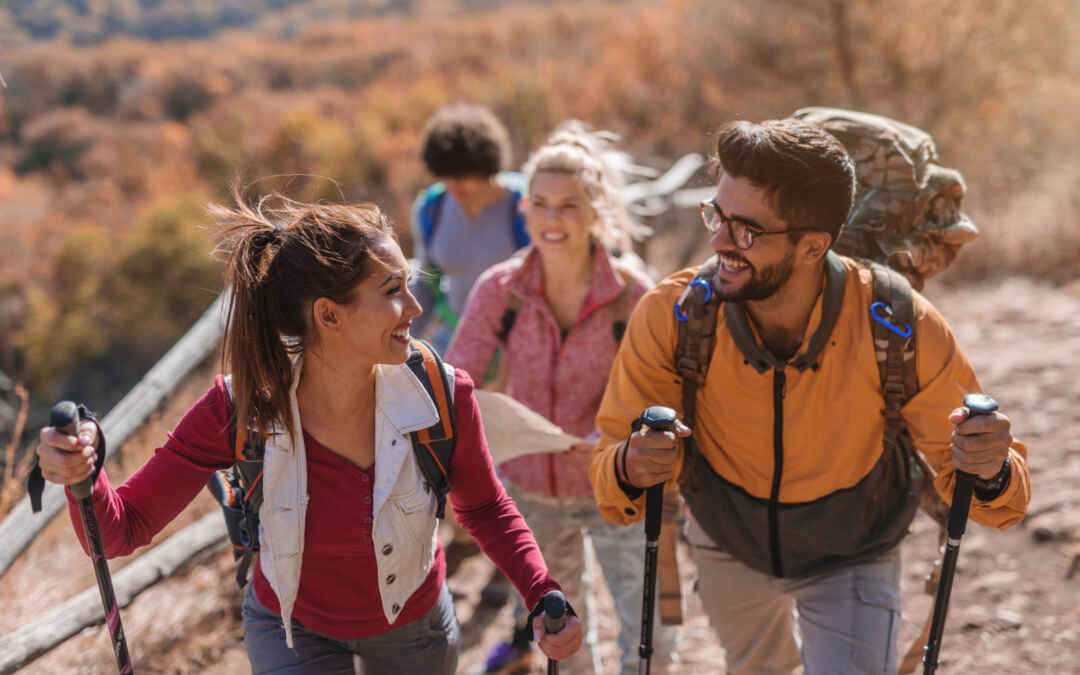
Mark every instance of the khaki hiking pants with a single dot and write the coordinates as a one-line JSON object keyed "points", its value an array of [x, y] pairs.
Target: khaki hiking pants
{"points": [[840, 623]]}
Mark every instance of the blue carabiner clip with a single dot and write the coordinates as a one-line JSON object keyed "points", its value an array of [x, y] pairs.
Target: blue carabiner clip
{"points": [[904, 333], [695, 282]]}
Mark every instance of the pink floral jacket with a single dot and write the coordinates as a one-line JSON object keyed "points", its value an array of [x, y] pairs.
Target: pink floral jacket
{"points": [[561, 376]]}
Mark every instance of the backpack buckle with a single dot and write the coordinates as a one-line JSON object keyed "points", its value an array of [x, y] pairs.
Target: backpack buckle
{"points": [[883, 319]]}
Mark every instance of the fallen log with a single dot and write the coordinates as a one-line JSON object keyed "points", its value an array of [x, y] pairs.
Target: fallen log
{"points": [[32, 640], [148, 396]]}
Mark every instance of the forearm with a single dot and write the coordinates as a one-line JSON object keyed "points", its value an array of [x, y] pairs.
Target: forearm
{"points": [[616, 504], [131, 515], [507, 541]]}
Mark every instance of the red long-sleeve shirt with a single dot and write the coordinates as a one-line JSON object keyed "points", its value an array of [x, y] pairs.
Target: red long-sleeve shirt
{"points": [[339, 591]]}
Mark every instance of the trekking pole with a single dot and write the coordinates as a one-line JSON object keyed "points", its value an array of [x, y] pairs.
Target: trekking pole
{"points": [[657, 418], [977, 404], [554, 621], [65, 417]]}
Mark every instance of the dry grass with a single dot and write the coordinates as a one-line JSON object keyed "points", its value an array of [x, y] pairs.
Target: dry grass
{"points": [[11, 487]]}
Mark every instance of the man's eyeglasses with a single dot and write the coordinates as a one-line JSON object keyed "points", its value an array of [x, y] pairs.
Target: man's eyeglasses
{"points": [[742, 233]]}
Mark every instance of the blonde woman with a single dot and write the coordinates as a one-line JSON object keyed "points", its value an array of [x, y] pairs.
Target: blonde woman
{"points": [[557, 311]]}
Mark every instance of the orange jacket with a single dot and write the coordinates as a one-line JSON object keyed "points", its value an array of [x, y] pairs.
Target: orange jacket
{"points": [[833, 424]]}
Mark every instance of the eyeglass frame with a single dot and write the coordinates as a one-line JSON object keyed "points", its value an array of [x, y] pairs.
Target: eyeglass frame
{"points": [[753, 229]]}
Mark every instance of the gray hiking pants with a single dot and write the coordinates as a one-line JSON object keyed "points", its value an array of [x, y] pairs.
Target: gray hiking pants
{"points": [[848, 620], [428, 645]]}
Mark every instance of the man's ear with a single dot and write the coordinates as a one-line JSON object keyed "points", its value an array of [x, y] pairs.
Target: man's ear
{"points": [[814, 246]]}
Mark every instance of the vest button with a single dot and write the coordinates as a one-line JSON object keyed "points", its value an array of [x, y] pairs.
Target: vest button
{"points": [[396, 608], [390, 579], [387, 549], [393, 442]]}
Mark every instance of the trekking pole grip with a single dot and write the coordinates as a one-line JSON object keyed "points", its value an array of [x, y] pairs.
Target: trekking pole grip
{"points": [[65, 417], [977, 404], [657, 418], [554, 612], [554, 620]]}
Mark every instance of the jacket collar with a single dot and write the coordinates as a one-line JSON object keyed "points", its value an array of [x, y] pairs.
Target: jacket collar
{"points": [[528, 279], [402, 399]]}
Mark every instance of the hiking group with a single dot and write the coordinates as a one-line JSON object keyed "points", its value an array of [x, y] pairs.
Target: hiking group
{"points": [[818, 403]]}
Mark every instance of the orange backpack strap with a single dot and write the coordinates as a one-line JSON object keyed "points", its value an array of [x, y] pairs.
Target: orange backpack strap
{"points": [[434, 446]]}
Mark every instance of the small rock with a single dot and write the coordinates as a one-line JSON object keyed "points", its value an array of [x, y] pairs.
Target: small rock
{"points": [[1042, 535], [975, 618], [1009, 619]]}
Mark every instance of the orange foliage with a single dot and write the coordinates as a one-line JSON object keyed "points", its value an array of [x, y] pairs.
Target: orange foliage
{"points": [[97, 134]]}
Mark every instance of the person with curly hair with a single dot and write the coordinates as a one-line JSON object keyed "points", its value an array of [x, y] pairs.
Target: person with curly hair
{"points": [[469, 219]]}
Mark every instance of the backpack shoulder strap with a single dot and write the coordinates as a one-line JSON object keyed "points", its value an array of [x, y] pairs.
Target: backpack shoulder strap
{"points": [[248, 451], [430, 210], [623, 305], [514, 303], [517, 222], [434, 446], [696, 313], [892, 315]]}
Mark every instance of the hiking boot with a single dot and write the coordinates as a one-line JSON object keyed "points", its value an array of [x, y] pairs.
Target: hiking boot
{"points": [[509, 659]]}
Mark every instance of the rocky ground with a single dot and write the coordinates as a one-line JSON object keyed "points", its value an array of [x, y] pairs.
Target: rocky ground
{"points": [[1015, 606]]}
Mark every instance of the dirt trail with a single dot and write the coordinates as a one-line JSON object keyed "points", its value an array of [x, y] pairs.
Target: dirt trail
{"points": [[1013, 611]]}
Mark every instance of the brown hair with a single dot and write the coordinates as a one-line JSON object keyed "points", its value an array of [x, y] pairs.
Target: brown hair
{"points": [[805, 171], [279, 260], [464, 140]]}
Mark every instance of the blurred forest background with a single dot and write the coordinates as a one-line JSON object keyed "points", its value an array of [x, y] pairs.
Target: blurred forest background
{"points": [[122, 119]]}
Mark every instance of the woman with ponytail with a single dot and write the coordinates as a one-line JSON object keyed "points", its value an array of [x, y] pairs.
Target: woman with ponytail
{"points": [[317, 340], [557, 311]]}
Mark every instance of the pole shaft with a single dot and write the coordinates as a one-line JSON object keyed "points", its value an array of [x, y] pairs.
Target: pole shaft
{"points": [[105, 587], [654, 503], [958, 513]]}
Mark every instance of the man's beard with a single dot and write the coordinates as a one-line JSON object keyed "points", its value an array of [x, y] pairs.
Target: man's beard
{"points": [[763, 284]]}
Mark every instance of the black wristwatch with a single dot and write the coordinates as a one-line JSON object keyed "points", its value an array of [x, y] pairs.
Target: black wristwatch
{"points": [[989, 489]]}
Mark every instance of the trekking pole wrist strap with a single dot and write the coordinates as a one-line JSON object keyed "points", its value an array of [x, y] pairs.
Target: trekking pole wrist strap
{"points": [[623, 478]]}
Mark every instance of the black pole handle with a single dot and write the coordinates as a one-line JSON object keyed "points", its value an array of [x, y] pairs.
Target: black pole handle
{"points": [[65, 417], [977, 404], [657, 418], [554, 611], [554, 620]]}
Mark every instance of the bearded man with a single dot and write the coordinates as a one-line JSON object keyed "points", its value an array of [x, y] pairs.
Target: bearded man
{"points": [[797, 498]]}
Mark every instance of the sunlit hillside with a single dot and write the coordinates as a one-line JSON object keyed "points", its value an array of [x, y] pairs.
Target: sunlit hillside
{"points": [[109, 152]]}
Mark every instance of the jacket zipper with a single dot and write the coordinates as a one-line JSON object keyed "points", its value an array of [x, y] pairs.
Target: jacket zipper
{"points": [[779, 386]]}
